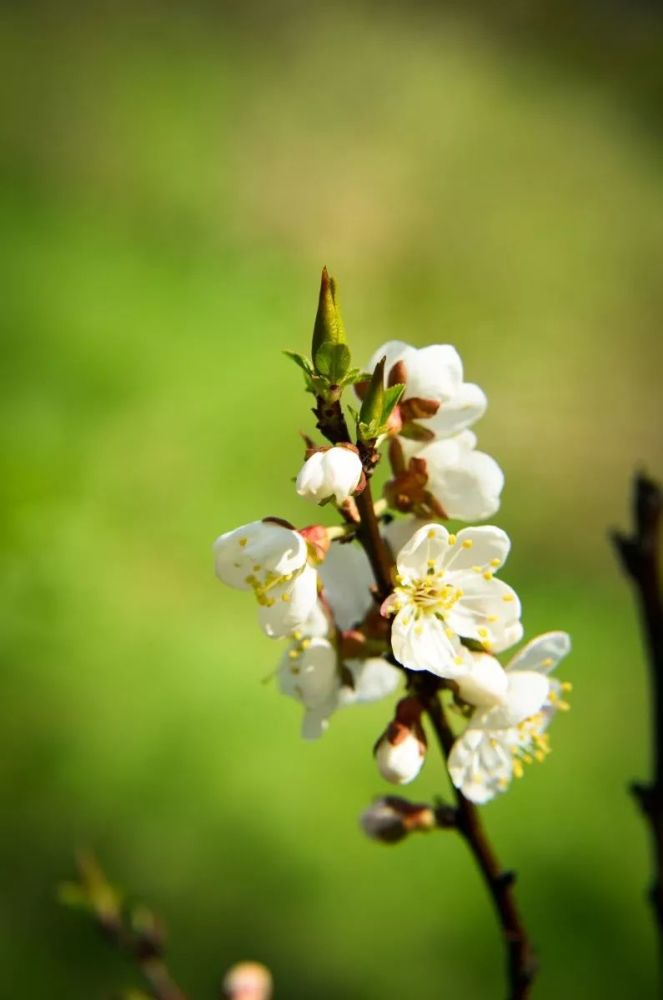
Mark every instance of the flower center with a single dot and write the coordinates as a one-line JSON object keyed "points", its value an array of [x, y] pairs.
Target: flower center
{"points": [[431, 596]]}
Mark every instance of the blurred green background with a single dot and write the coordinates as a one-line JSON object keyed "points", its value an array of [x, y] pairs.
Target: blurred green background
{"points": [[173, 178]]}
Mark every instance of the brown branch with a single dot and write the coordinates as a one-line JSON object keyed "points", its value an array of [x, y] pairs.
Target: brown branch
{"points": [[521, 960], [639, 554]]}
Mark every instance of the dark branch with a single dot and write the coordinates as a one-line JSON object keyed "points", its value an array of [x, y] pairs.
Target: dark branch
{"points": [[521, 960], [639, 554]]}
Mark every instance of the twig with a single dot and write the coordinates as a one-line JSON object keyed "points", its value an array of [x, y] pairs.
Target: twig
{"points": [[138, 935], [639, 554], [521, 960]]}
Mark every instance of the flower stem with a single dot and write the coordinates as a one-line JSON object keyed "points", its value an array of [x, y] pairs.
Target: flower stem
{"points": [[639, 555], [521, 961]]}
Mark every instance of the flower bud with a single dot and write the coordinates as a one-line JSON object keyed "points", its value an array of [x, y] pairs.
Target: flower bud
{"points": [[248, 981], [335, 472], [401, 749], [391, 819]]}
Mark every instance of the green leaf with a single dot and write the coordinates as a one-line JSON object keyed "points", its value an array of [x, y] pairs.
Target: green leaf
{"points": [[332, 361], [300, 360], [392, 397], [328, 327]]}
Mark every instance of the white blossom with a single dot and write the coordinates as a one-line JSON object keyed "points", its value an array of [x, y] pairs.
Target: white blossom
{"points": [[466, 483], [335, 472], [446, 590], [513, 709], [311, 670], [271, 560], [433, 374]]}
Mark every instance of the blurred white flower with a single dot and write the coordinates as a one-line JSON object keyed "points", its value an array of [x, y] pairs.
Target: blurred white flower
{"points": [[335, 472], [446, 590], [271, 560], [513, 709]]}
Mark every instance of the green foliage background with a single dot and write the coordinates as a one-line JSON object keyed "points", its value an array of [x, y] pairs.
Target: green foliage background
{"points": [[173, 178]]}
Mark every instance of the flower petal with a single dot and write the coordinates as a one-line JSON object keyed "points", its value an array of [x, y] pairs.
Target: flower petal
{"points": [[423, 644], [468, 486], [543, 653], [347, 580], [465, 407], [290, 604], [434, 372], [258, 548], [486, 611], [428, 547], [484, 547], [486, 682], [373, 679], [480, 765], [526, 694]]}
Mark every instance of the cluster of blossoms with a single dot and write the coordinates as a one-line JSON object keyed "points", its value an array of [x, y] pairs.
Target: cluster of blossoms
{"points": [[438, 612]]}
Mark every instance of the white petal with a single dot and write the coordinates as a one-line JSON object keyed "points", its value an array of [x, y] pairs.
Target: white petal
{"points": [[256, 549], [480, 765], [486, 683], [428, 546], [373, 679], [291, 603], [486, 611], [399, 531], [484, 546], [423, 644], [511, 634], [309, 674], [316, 624], [526, 693], [347, 579], [434, 372], [468, 487], [335, 472], [315, 722], [311, 478], [394, 351], [466, 406], [543, 653]]}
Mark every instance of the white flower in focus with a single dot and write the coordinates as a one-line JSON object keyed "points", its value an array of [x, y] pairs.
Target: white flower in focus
{"points": [[508, 726], [335, 472], [465, 483], [271, 560], [435, 395], [445, 590]]}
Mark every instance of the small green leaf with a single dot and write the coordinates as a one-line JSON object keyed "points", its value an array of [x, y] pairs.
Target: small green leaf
{"points": [[300, 360], [392, 397]]}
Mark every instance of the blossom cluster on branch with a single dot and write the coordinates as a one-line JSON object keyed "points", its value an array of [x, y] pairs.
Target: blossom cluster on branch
{"points": [[368, 605]]}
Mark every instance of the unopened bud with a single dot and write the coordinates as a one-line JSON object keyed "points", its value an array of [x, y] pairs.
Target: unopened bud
{"points": [[401, 750], [391, 819], [248, 981], [333, 472]]}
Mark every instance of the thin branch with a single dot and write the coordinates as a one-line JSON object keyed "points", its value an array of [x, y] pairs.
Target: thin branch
{"points": [[639, 554], [521, 960], [138, 935]]}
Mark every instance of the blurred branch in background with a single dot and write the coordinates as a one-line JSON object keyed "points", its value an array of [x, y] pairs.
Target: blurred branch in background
{"points": [[138, 933], [639, 555]]}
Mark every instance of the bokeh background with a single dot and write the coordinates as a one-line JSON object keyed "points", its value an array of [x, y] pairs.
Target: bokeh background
{"points": [[173, 178]]}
